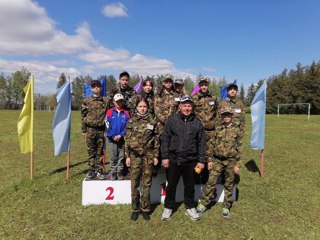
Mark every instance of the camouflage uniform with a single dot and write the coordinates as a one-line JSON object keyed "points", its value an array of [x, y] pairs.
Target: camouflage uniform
{"points": [[93, 112], [238, 112], [165, 106], [141, 145], [238, 115], [149, 97], [126, 93], [226, 148], [206, 106]]}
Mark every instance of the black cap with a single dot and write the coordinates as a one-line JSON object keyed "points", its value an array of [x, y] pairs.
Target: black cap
{"points": [[232, 85], [95, 83]]}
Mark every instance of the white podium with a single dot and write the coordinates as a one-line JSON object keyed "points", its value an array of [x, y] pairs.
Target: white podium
{"points": [[119, 192]]}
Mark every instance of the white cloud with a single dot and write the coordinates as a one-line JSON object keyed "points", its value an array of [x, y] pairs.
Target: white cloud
{"points": [[28, 33], [208, 69], [115, 10], [26, 29], [46, 75]]}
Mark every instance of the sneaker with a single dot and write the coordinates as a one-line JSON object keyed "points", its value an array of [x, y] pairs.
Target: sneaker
{"points": [[145, 216], [134, 216], [192, 213], [91, 176], [112, 176], [120, 176], [226, 213], [166, 215], [201, 208], [101, 176]]}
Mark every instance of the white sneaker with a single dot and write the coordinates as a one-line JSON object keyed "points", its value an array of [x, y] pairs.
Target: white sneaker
{"points": [[192, 213], [166, 215]]}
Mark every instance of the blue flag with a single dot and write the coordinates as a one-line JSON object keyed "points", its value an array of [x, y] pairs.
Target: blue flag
{"points": [[258, 117], [88, 92], [224, 92], [61, 124]]}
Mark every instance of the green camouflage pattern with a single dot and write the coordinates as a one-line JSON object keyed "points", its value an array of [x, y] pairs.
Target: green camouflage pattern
{"points": [[142, 137], [206, 109], [226, 143], [165, 105], [95, 142], [141, 172], [219, 166], [238, 112], [93, 112]]}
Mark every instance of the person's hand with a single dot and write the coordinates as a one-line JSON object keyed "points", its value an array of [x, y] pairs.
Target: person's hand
{"points": [[236, 170], [200, 165], [165, 163], [117, 138], [155, 161], [209, 165], [128, 162], [85, 135]]}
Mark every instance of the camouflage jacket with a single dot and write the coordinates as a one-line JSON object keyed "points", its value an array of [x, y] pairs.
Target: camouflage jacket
{"points": [[227, 142], [206, 107], [93, 112], [238, 111], [149, 97], [142, 137], [127, 94], [165, 105]]}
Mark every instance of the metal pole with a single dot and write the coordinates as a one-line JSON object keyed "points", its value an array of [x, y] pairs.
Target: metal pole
{"points": [[278, 111], [309, 112]]}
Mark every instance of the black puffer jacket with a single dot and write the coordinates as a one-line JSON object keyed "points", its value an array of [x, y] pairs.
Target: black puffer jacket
{"points": [[183, 140]]}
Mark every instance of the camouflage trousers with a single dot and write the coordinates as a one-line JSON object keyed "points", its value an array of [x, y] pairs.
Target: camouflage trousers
{"points": [[217, 167], [141, 172], [204, 175], [95, 142]]}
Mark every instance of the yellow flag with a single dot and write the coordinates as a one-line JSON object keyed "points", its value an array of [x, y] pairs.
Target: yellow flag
{"points": [[25, 121]]}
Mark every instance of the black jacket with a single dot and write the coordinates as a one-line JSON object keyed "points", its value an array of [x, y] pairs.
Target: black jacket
{"points": [[183, 140]]}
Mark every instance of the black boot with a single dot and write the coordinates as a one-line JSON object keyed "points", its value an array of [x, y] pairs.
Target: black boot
{"points": [[146, 216], [134, 216]]}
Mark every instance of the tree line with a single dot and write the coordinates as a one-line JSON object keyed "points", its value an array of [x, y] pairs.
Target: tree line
{"points": [[300, 85]]}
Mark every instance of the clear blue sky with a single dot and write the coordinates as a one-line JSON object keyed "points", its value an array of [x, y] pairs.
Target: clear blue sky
{"points": [[246, 40]]}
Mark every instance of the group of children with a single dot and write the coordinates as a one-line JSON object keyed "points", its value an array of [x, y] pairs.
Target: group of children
{"points": [[135, 126]]}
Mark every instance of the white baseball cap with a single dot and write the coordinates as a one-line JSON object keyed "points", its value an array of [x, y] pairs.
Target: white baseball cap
{"points": [[118, 97]]}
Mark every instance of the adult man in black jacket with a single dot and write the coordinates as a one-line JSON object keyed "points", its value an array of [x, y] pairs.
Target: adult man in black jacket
{"points": [[183, 149]]}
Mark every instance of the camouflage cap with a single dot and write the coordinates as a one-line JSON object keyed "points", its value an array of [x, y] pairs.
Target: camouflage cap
{"points": [[185, 99], [203, 80], [95, 83], [232, 85], [225, 110], [168, 78], [179, 81]]}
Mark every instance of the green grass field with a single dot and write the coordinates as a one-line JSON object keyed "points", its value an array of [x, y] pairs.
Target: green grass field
{"points": [[282, 205]]}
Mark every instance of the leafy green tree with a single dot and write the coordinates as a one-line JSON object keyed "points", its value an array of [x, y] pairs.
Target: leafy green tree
{"points": [[111, 82], [77, 92], [62, 80], [241, 93], [188, 85], [19, 81]]}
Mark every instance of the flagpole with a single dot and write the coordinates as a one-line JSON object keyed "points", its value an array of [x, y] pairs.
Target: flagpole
{"points": [[31, 166], [68, 164], [262, 163]]}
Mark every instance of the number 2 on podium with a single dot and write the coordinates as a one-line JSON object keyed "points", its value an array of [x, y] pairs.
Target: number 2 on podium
{"points": [[110, 196]]}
